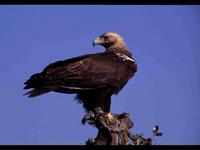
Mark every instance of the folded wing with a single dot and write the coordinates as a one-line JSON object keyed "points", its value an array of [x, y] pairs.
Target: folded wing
{"points": [[88, 72]]}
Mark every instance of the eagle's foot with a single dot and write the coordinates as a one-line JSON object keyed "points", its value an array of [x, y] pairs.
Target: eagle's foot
{"points": [[88, 117], [110, 117]]}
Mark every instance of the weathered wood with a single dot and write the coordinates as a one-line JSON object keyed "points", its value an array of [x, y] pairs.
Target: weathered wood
{"points": [[115, 131]]}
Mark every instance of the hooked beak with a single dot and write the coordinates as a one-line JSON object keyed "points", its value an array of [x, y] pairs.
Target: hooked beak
{"points": [[97, 41]]}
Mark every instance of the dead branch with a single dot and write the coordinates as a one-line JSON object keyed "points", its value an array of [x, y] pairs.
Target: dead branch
{"points": [[115, 131]]}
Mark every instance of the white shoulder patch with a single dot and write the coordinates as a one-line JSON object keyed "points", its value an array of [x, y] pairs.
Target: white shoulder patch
{"points": [[124, 57]]}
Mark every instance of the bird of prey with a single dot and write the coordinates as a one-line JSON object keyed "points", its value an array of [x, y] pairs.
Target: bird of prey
{"points": [[93, 77]]}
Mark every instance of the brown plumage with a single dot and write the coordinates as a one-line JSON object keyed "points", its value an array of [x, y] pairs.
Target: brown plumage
{"points": [[93, 77]]}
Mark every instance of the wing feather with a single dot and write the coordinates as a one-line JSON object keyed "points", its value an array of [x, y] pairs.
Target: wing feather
{"points": [[90, 72]]}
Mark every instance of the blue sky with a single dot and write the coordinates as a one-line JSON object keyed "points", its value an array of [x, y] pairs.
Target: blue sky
{"points": [[165, 91]]}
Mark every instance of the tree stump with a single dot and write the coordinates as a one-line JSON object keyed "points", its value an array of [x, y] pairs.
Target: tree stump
{"points": [[115, 131]]}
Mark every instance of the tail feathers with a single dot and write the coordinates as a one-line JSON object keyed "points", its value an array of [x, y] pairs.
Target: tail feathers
{"points": [[35, 80], [37, 92]]}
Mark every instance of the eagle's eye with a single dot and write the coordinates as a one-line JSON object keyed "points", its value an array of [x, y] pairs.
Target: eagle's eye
{"points": [[105, 37]]}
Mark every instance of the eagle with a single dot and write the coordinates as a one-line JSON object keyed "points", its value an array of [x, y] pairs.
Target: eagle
{"points": [[94, 78]]}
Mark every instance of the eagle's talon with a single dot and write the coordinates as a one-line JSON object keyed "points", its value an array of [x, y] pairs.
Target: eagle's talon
{"points": [[83, 121], [110, 117]]}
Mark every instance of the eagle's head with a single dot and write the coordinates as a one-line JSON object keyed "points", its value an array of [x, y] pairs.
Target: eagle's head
{"points": [[109, 39]]}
